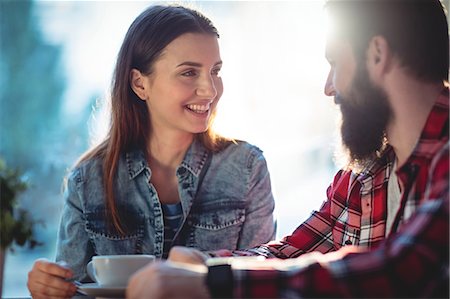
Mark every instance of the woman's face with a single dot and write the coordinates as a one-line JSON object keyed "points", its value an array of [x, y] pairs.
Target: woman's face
{"points": [[183, 90]]}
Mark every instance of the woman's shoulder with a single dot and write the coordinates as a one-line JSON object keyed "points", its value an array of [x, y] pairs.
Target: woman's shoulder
{"points": [[237, 146], [240, 151], [86, 167]]}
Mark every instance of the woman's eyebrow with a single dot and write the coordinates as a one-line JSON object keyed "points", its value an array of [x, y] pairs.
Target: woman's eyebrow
{"points": [[196, 64]]}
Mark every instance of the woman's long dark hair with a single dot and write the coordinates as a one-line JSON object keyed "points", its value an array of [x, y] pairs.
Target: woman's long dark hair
{"points": [[146, 38]]}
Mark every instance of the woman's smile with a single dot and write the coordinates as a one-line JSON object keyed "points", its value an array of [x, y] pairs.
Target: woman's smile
{"points": [[198, 108]]}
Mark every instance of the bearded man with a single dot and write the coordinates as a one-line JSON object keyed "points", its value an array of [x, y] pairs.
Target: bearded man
{"points": [[384, 229]]}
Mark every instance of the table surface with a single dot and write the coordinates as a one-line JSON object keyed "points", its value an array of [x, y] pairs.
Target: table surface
{"points": [[74, 297], [77, 296]]}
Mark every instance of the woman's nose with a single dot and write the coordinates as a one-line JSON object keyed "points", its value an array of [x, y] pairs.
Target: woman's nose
{"points": [[207, 88]]}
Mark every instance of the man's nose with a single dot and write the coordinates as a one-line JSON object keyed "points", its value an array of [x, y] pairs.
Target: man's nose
{"points": [[329, 87]]}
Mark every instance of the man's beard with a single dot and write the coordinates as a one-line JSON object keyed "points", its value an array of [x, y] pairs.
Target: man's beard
{"points": [[365, 114]]}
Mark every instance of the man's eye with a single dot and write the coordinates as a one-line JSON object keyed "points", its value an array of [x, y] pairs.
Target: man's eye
{"points": [[216, 71]]}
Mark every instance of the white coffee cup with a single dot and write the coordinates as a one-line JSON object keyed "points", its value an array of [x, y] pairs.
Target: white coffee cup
{"points": [[115, 270]]}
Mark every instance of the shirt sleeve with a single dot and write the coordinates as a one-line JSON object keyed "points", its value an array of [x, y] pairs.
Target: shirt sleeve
{"points": [[411, 263], [73, 245], [259, 226]]}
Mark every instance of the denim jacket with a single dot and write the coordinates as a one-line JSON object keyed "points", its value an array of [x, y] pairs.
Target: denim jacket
{"points": [[230, 209]]}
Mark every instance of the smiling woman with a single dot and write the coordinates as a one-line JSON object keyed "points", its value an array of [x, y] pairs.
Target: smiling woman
{"points": [[273, 70]]}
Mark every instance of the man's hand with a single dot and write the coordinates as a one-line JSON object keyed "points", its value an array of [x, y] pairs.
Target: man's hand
{"points": [[168, 280], [187, 255]]}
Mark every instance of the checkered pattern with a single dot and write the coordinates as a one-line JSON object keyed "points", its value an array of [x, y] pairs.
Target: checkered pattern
{"points": [[355, 213]]}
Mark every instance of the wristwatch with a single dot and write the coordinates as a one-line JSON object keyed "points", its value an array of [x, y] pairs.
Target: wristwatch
{"points": [[220, 281]]}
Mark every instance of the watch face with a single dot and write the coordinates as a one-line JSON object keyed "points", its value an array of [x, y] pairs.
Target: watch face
{"points": [[220, 281]]}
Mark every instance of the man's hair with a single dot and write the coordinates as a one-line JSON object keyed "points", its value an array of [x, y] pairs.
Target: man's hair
{"points": [[416, 30]]}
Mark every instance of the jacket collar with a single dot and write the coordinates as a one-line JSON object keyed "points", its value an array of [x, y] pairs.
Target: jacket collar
{"points": [[195, 158], [193, 161], [136, 162]]}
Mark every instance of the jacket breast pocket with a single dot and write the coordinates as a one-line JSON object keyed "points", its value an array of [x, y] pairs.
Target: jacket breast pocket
{"points": [[107, 240], [216, 225]]}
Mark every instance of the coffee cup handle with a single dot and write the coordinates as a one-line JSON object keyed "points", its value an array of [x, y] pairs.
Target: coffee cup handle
{"points": [[90, 270]]}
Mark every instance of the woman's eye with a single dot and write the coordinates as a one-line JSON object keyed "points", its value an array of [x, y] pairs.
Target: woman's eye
{"points": [[189, 73]]}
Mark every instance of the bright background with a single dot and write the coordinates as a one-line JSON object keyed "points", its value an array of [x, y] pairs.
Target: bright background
{"points": [[56, 63]]}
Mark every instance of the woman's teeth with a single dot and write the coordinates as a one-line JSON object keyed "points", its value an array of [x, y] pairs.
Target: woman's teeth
{"points": [[198, 108]]}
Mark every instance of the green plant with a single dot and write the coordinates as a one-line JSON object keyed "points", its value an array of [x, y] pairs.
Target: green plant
{"points": [[16, 225]]}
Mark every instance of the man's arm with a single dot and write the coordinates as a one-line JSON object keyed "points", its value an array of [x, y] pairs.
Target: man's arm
{"points": [[414, 262], [411, 263]]}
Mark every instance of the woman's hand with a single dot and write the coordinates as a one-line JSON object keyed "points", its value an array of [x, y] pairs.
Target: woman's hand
{"points": [[48, 280], [187, 255]]}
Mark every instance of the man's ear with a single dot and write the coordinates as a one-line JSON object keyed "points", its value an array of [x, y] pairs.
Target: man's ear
{"points": [[137, 84], [379, 57]]}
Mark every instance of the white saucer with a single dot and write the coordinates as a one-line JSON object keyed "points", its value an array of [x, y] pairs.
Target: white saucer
{"points": [[93, 289]]}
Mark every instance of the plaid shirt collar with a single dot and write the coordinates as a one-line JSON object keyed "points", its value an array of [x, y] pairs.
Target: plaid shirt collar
{"points": [[435, 131], [434, 134]]}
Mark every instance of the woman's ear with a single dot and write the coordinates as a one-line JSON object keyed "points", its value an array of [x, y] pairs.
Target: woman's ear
{"points": [[379, 57], [137, 84]]}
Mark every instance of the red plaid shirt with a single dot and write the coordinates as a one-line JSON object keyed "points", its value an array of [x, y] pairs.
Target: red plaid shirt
{"points": [[355, 213]]}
